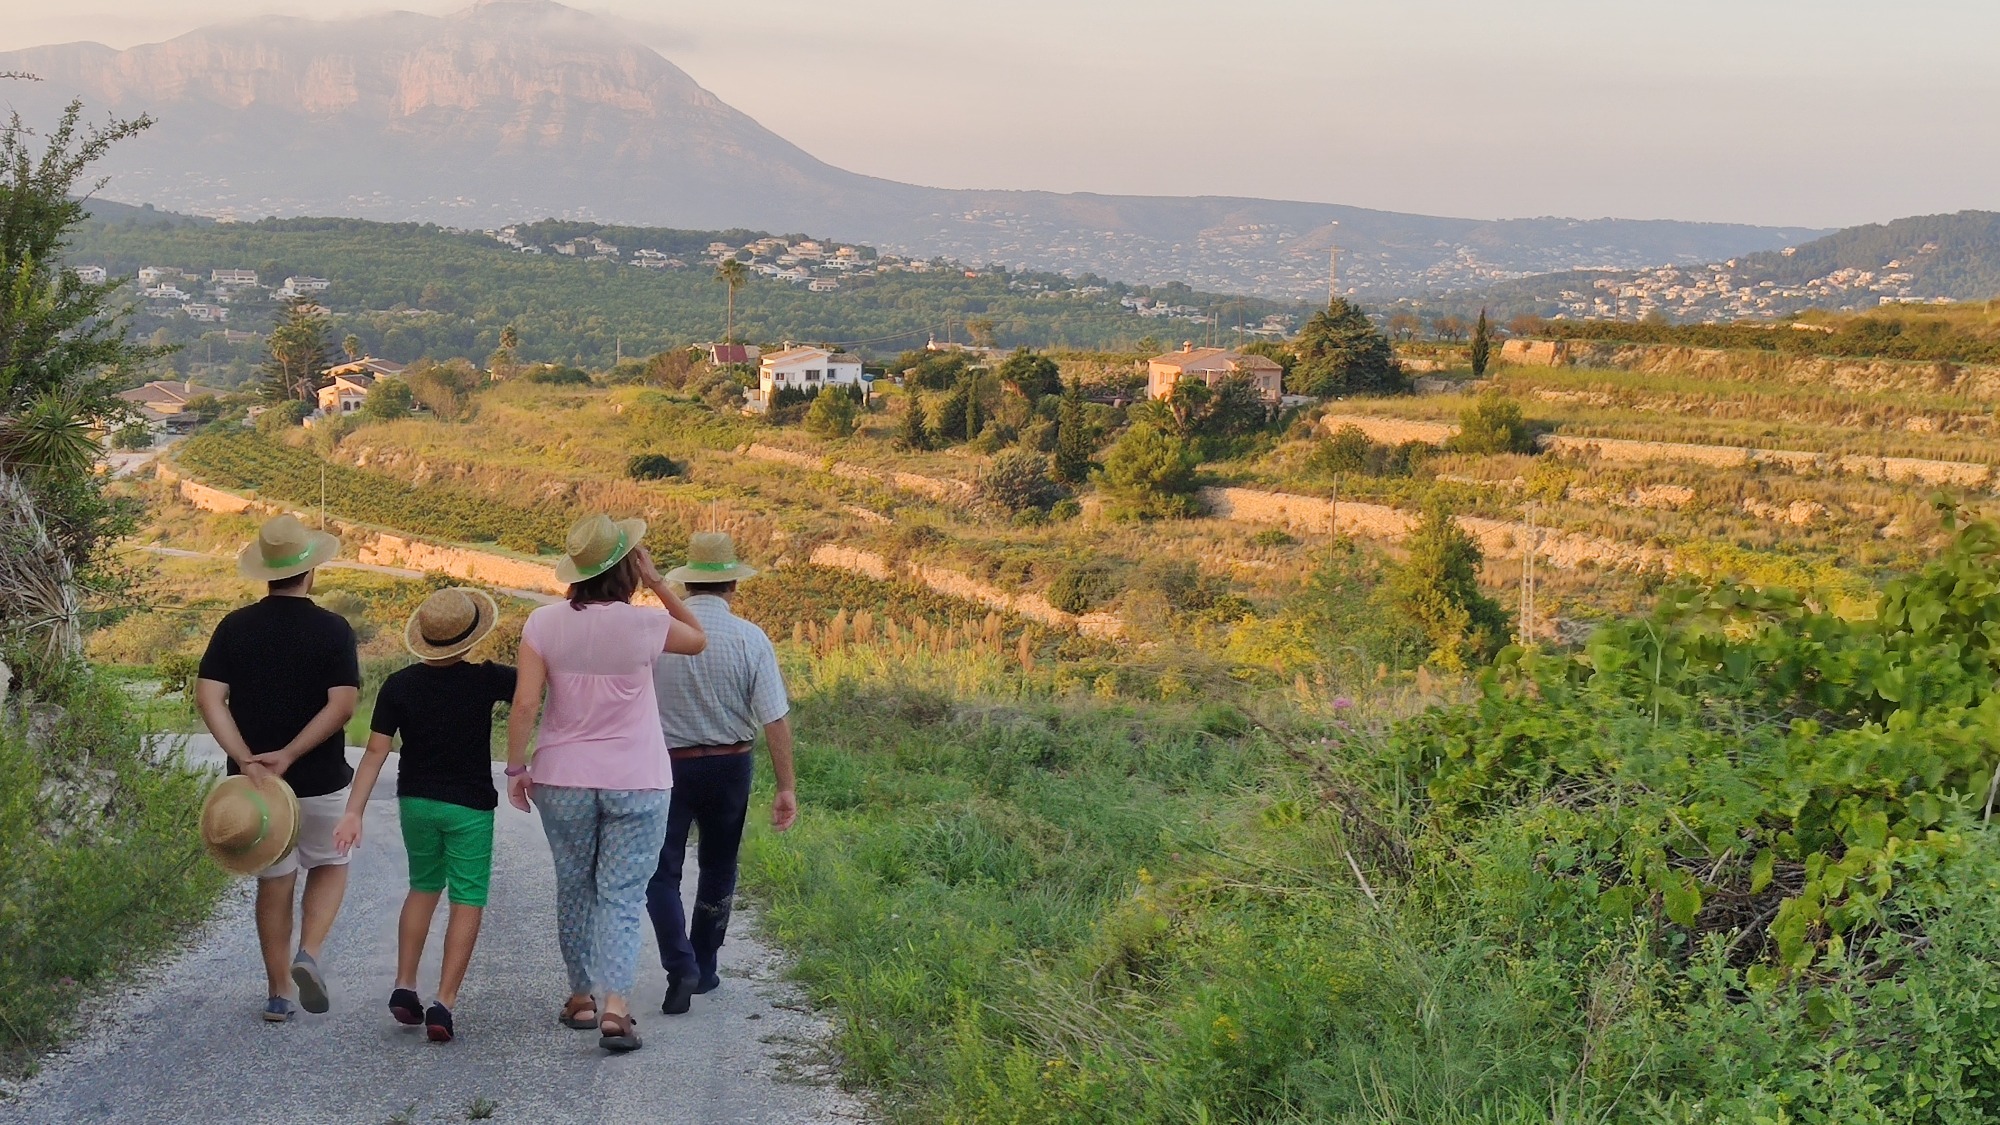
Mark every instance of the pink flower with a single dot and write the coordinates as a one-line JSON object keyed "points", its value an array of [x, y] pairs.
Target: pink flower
{"points": [[1342, 703]]}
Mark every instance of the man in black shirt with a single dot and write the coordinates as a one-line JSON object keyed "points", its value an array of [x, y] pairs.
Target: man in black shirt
{"points": [[276, 687]]}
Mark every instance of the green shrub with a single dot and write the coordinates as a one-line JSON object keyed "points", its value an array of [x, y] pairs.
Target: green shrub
{"points": [[1437, 588], [1081, 587], [388, 400], [132, 437], [1272, 537], [1350, 450], [1148, 474], [1019, 481], [282, 416], [1492, 425], [832, 414], [652, 466], [560, 376]]}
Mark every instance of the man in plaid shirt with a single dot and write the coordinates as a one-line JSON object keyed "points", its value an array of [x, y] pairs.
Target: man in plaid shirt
{"points": [[711, 707]]}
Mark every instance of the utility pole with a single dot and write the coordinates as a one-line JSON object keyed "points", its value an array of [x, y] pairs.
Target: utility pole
{"points": [[322, 496], [1333, 526], [1528, 578], [1333, 268]]}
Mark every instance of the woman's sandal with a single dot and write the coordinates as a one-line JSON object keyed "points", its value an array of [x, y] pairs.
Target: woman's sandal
{"points": [[572, 1014], [618, 1033]]}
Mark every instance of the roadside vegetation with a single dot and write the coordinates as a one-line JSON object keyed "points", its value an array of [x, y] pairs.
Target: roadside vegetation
{"points": [[1631, 883], [98, 855]]}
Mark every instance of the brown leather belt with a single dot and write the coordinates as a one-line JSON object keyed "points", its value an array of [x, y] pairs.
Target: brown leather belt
{"points": [[682, 753]]}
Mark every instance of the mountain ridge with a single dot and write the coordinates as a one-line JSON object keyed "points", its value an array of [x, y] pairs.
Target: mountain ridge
{"points": [[515, 109]]}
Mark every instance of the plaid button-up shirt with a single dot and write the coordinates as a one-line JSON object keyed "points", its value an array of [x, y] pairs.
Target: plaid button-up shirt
{"points": [[726, 694]]}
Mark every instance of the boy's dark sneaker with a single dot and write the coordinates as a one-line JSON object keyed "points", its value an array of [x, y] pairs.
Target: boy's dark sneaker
{"points": [[407, 1007], [437, 1023], [680, 996], [709, 983]]}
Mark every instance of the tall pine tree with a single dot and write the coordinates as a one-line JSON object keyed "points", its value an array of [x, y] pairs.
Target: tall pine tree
{"points": [[297, 352], [1341, 353], [1482, 345]]}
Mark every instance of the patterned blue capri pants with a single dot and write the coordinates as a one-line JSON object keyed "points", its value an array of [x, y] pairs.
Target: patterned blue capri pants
{"points": [[606, 843]]}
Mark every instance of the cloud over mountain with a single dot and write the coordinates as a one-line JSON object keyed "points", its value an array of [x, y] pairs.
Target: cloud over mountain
{"points": [[518, 109]]}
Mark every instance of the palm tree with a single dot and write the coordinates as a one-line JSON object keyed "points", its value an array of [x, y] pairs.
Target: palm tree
{"points": [[352, 346], [732, 273]]}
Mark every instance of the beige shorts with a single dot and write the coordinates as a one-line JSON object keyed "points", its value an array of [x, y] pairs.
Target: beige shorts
{"points": [[318, 817]]}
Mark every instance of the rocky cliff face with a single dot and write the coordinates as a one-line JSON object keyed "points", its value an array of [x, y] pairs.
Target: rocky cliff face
{"points": [[520, 109], [510, 109]]}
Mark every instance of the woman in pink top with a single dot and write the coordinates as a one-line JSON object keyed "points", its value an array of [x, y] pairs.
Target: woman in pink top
{"points": [[600, 775]]}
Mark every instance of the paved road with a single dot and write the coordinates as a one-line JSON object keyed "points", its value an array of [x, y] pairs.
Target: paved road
{"points": [[189, 1047]]}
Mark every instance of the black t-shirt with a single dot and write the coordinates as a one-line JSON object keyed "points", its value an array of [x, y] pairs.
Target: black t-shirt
{"points": [[445, 715], [279, 657]]}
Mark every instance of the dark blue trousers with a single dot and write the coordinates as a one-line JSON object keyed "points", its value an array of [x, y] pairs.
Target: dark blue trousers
{"points": [[714, 794]]}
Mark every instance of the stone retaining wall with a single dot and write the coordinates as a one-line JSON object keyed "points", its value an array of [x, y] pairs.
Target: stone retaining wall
{"points": [[1312, 515], [1962, 474], [953, 584], [937, 488]]}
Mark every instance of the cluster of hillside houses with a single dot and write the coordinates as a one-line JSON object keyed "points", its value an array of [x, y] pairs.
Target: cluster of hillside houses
{"points": [[164, 404], [169, 289]]}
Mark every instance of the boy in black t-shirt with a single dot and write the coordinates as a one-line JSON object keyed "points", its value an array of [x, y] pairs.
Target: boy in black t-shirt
{"points": [[443, 708], [277, 684]]}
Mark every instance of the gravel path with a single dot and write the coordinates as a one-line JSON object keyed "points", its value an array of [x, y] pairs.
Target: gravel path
{"points": [[186, 1045]]}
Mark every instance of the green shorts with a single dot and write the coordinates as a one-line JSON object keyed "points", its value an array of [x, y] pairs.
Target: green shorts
{"points": [[449, 845]]}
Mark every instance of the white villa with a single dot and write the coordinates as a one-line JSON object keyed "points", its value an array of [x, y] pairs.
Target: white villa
{"points": [[804, 369]]}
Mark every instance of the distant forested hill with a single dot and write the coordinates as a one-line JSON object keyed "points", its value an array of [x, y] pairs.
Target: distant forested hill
{"points": [[411, 290]]}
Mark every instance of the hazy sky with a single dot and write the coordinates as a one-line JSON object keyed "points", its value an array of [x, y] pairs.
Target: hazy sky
{"points": [[1811, 112]]}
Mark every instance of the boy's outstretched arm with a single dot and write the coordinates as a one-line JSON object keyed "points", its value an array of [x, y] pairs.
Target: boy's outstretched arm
{"points": [[348, 832]]}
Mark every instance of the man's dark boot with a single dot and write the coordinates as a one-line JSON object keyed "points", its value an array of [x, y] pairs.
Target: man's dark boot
{"points": [[680, 996]]}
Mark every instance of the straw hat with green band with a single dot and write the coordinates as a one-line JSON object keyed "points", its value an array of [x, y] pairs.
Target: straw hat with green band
{"points": [[711, 558], [247, 827], [285, 548], [595, 544]]}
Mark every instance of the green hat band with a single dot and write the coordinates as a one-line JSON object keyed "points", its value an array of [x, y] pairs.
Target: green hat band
{"points": [[279, 564], [263, 816], [711, 566], [617, 553]]}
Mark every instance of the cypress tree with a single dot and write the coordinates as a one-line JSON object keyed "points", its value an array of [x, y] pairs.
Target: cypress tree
{"points": [[1482, 345], [1073, 439], [916, 435]]}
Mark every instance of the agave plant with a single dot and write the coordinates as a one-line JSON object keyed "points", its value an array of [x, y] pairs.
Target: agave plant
{"points": [[63, 345]]}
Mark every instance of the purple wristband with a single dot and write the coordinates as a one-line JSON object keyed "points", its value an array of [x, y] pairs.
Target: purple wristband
{"points": [[515, 771]]}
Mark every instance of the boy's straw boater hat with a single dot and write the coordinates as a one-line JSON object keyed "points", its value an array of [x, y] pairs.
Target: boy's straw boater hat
{"points": [[285, 548], [595, 544], [711, 558], [450, 622], [247, 827]]}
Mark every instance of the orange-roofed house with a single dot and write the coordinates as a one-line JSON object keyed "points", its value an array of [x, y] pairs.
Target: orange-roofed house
{"points": [[1212, 366]]}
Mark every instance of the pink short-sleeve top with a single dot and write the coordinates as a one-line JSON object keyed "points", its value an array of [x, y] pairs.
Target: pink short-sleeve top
{"points": [[600, 722]]}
